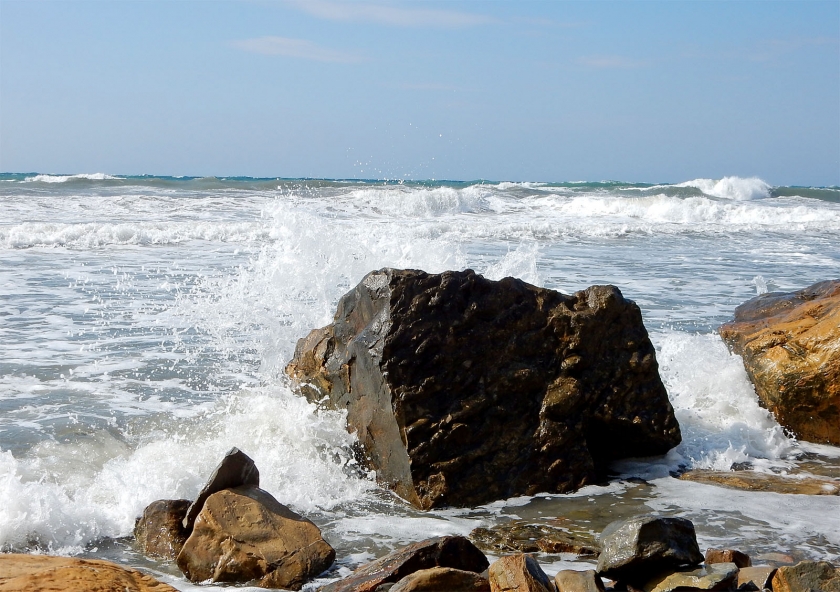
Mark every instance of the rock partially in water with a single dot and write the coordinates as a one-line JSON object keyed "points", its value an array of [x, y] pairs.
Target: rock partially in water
{"points": [[464, 390], [442, 579], [568, 580], [755, 578], [790, 344], [754, 481], [451, 551], [520, 573], [244, 534], [634, 549], [718, 576], [727, 556], [526, 537], [235, 469], [806, 577], [160, 530], [31, 573]]}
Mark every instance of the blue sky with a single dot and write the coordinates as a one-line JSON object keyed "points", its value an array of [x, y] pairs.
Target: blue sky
{"points": [[543, 91]]}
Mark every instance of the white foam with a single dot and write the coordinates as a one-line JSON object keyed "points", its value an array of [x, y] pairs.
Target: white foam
{"points": [[737, 188], [65, 178]]}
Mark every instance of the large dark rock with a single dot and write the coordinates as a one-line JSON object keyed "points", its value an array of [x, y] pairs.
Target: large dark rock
{"points": [[451, 551], [635, 549], [464, 390], [235, 469], [159, 531], [790, 344]]}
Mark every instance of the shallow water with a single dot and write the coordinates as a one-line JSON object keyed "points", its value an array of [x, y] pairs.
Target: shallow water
{"points": [[146, 321]]}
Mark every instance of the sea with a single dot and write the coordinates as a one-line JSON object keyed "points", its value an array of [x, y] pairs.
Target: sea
{"points": [[145, 323]]}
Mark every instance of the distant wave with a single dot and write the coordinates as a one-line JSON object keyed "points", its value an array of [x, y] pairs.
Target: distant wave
{"points": [[737, 188], [65, 178]]}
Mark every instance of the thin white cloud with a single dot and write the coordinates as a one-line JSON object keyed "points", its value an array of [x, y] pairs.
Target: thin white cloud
{"points": [[390, 14], [294, 48], [609, 61]]}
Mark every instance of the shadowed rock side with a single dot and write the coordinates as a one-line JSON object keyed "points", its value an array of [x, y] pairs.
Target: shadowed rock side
{"points": [[464, 390], [790, 344]]}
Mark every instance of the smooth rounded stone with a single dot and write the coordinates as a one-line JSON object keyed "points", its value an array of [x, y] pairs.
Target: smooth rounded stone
{"points": [[45, 573], [464, 390], [634, 549], [727, 556], [451, 551], [717, 576], [442, 579], [790, 345], [244, 534], [755, 578], [568, 580], [753, 481], [518, 573], [526, 537], [160, 531], [235, 469], [806, 577]]}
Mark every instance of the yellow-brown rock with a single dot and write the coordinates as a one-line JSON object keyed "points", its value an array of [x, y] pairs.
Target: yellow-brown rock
{"points": [[754, 481], [518, 573], [44, 573], [807, 576], [244, 534], [790, 344]]}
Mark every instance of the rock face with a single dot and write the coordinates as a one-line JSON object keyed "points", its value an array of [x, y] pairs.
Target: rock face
{"points": [[244, 534], [790, 343], [807, 577], [160, 531], [34, 573], [452, 551], [634, 549], [518, 573], [442, 579], [464, 390]]}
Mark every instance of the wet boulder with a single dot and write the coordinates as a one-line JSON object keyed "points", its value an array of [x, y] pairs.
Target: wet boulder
{"points": [[451, 551], [806, 577], [790, 344], [520, 573], [635, 549], [160, 532], [464, 390], [442, 579], [569, 580], [244, 534]]}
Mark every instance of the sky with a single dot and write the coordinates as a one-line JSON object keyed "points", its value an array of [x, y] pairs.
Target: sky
{"points": [[639, 91]]}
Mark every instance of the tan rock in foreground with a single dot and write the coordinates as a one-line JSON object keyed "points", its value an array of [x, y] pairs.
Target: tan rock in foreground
{"points": [[44, 573], [518, 573], [442, 579], [752, 481], [790, 343], [807, 576]]}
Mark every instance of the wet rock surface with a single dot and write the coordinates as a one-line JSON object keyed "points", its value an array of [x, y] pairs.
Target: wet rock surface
{"points": [[755, 578], [568, 580], [33, 573], [753, 481], [464, 390], [527, 537], [718, 576], [244, 534], [806, 577], [442, 579], [790, 344], [453, 551], [160, 531], [518, 573], [634, 549]]}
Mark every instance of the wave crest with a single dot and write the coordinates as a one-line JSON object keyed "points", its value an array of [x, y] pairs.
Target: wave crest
{"points": [[737, 188]]}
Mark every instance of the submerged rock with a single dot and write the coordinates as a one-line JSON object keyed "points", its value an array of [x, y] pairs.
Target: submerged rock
{"points": [[518, 573], [244, 534], [754, 481], [30, 573], [807, 576], [790, 344], [442, 579], [160, 530], [464, 390], [527, 537], [452, 551], [633, 550]]}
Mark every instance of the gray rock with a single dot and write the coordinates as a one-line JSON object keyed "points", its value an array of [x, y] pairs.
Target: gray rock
{"points": [[633, 550], [236, 469]]}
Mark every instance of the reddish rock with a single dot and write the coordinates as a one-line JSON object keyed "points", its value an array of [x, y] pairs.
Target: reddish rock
{"points": [[728, 556], [464, 390], [159, 531], [806, 577], [452, 551], [44, 573], [518, 573], [568, 580], [442, 579], [244, 534], [790, 344]]}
